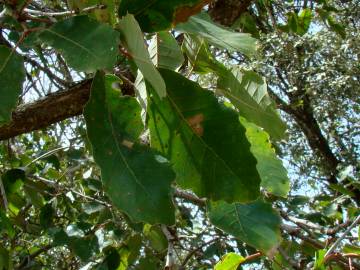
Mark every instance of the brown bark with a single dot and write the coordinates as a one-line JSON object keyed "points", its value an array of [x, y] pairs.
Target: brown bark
{"points": [[49, 110], [226, 12]]}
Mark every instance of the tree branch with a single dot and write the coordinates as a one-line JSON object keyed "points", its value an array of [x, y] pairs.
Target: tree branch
{"points": [[227, 11], [49, 110], [57, 106]]}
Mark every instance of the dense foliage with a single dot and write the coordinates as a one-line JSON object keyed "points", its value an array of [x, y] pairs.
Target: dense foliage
{"points": [[179, 134]]}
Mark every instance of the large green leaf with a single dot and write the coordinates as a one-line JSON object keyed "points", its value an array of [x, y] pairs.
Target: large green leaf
{"points": [[12, 76], [134, 41], [256, 223], [165, 51], [247, 91], [204, 140], [86, 44], [217, 35], [137, 180], [272, 172], [230, 261], [157, 15]]}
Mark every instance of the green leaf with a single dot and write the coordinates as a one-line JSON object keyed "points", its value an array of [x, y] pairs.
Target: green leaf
{"points": [[336, 27], [320, 260], [198, 54], [33, 194], [134, 41], [342, 189], [351, 249], [157, 15], [293, 22], [92, 207], [46, 216], [247, 24], [230, 261], [247, 91], [12, 76], [165, 51], [156, 237], [135, 178], [147, 263], [256, 223], [5, 259], [6, 226], [74, 38], [304, 20], [84, 247], [272, 172], [201, 25], [204, 140]]}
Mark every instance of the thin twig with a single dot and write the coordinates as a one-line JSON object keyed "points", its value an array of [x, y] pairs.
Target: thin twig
{"points": [[338, 241], [189, 197], [46, 154], [63, 13], [170, 258]]}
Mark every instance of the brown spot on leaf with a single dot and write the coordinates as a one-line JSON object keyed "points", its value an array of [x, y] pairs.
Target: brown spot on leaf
{"points": [[127, 143], [195, 122]]}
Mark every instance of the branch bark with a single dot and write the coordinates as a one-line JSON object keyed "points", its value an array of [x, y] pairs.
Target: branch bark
{"points": [[226, 12], [49, 110], [58, 106]]}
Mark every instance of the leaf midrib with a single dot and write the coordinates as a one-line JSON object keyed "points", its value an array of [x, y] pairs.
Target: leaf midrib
{"points": [[125, 161]]}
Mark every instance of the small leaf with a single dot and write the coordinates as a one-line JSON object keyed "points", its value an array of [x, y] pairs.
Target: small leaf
{"points": [[165, 51], [230, 261], [204, 140], [74, 38], [12, 76], [201, 25], [256, 223], [135, 179], [336, 27], [134, 42], [85, 247], [92, 207], [156, 237], [272, 172]]}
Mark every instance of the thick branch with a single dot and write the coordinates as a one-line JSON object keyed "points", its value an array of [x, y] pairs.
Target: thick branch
{"points": [[49, 110], [227, 11]]}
